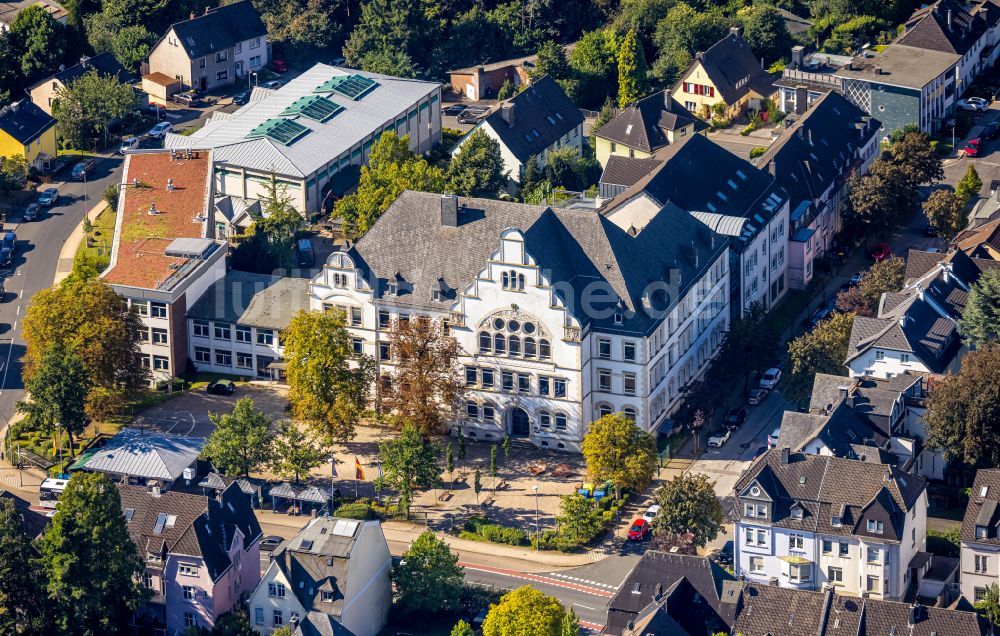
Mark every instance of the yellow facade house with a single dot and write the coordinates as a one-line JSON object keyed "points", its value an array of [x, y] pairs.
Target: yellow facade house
{"points": [[727, 74], [644, 127], [25, 129]]}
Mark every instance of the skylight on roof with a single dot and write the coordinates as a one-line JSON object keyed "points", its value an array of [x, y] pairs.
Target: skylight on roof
{"points": [[535, 133], [983, 491], [283, 131], [315, 107], [739, 173], [559, 116], [711, 208], [551, 119], [721, 196], [732, 184], [353, 86]]}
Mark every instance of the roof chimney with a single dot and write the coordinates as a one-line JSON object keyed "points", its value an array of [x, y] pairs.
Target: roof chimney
{"points": [[170, 185], [798, 56], [914, 612], [949, 19], [192, 15], [507, 114], [152, 209], [83, 61], [449, 210], [735, 31], [785, 454], [878, 70]]}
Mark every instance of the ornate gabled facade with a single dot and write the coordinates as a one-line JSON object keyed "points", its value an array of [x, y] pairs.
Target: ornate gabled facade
{"points": [[561, 316]]}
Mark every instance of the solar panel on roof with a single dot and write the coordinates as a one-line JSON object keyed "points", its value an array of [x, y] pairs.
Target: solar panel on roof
{"points": [[352, 86], [315, 107], [283, 131]]}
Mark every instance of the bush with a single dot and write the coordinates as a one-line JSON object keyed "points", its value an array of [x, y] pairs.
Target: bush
{"points": [[355, 510], [478, 529], [757, 151]]}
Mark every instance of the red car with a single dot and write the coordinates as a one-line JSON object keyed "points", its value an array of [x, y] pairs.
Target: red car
{"points": [[882, 252], [639, 530], [279, 66], [973, 147]]}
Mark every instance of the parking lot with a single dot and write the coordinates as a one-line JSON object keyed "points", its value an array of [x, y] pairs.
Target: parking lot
{"points": [[188, 414]]}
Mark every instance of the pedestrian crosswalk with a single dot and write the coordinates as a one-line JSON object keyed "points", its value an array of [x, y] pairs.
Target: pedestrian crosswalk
{"points": [[582, 581]]}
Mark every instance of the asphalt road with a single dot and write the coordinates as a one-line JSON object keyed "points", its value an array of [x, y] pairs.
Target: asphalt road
{"points": [[34, 267]]}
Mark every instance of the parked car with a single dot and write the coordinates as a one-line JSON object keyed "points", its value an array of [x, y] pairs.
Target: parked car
{"points": [[819, 316], [269, 543], [454, 110], [472, 115], [273, 85], [221, 387], [973, 104], [756, 396], [973, 148], [772, 438], [735, 418], [304, 255], [639, 530], [129, 143], [242, 98], [279, 66], [187, 98], [651, 513], [83, 169], [770, 378], [31, 212], [991, 130], [720, 438], [48, 197], [725, 554], [160, 130], [882, 252]]}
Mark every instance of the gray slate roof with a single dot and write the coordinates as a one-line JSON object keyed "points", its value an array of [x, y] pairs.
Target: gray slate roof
{"points": [[642, 124], [542, 107], [983, 508], [626, 171], [325, 141], [103, 63], [572, 247], [830, 486], [146, 455], [219, 28], [202, 526], [253, 300], [698, 175], [928, 28], [734, 70], [24, 121]]}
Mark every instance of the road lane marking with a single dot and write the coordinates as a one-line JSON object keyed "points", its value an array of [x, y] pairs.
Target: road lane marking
{"points": [[535, 578], [587, 607]]}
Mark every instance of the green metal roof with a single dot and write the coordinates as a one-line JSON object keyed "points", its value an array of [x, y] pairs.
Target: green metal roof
{"points": [[352, 86], [283, 131], [314, 107]]}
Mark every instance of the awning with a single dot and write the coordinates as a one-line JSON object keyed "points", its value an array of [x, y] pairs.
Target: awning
{"points": [[795, 560], [277, 364]]}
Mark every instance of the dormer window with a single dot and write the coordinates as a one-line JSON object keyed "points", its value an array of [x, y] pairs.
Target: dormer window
{"points": [[797, 513], [982, 532], [836, 522], [392, 289], [876, 526]]}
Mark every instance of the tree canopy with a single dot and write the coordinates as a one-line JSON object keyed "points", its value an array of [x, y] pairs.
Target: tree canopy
{"points": [[57, 393], [822, 350], [616, 448], [294, 453], [38, 39], [477, 170], [91, 568], [632, 82], [689, 506], [963, 410], [408, 462], [428, 578], [85, 107], [980, 322], [523, 612], [22, 595], [241, 441]]}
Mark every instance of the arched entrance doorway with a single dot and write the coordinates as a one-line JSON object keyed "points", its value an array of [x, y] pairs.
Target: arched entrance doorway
{"points": [[518, 423]]}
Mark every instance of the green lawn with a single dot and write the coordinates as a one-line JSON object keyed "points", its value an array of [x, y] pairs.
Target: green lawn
{"points": [[100, 236]]}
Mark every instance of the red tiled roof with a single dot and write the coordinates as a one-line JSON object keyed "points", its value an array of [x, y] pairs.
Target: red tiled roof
{"points": [[139, 258]]}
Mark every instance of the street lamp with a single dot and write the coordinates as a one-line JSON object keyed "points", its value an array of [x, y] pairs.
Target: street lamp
{"points": [[537, 535]]}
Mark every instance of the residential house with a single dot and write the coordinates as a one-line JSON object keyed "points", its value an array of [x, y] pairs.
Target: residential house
{"points": [[728, 74], [813, 161], [808, 521], [692, 603], [137, 456], [313, 134], [33, 523], [980, 536], [621, 173], [865, 418], [27, 130], [202, 554], [483, 81], [981, 243], [731, 198], [330, 578], [531, 124], [10, 10], [694, 583], [235, 327], [561, 315], [165, 254], [968, 30], [234, 216], [644, 127], [214, 49], [916, 329], [45, 91]]}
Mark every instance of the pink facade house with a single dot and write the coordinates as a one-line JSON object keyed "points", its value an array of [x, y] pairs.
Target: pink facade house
{"points": [[202, 554]]}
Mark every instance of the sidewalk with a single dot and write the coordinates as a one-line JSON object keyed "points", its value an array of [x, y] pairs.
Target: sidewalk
{"points": [[64, 266]]}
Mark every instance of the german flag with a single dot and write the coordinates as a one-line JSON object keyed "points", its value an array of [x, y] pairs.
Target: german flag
{"points": [[359, 472]]}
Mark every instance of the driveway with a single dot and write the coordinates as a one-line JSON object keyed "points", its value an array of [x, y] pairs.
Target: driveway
{"points": [[188, 414]]}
